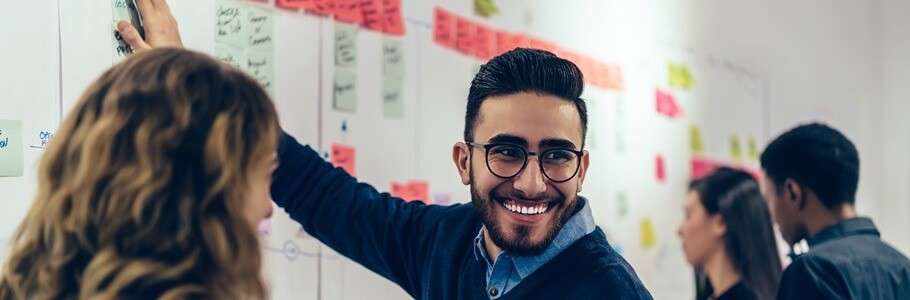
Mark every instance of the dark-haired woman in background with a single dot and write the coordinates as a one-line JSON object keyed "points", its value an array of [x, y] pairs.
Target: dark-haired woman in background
{"points": [[728, 236]]}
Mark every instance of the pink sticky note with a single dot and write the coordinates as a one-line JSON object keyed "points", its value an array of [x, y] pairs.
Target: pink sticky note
{"points": [[666, 104], [464, 35], [702, 167], [392, 19], [442, 199], [614, 79], [503, 42], [443, 28], [308, 4], [420, 191], [372, 14], [343, 157], [323, 7], [661, 169], [348, 11], [400, 190], [483, 46], [265, 227]]}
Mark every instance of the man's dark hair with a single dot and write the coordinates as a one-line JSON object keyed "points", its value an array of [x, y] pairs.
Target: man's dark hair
{"points": [[818, 157], [526, 70]]}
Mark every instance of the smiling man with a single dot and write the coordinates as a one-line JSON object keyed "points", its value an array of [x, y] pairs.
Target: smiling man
{"points": [[525, 234]]}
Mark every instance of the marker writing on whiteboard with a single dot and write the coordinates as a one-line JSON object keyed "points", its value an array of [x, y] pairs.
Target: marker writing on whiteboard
{"points": [[44, 137]]}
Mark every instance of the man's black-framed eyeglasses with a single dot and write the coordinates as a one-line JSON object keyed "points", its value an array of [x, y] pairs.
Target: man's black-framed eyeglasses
{"points": [[507, 161]]}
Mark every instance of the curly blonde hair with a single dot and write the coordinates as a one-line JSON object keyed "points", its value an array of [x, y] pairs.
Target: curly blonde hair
{"points": [[143, 192]]}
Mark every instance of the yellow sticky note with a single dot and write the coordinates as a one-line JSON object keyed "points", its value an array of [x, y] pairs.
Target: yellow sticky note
{"points": [[753, 149], [648, 237], [680, 76], [695, 142], [736, 149]]}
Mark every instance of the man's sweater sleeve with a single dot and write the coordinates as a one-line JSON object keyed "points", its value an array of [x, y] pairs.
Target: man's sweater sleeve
{"points": [[387, 235]]}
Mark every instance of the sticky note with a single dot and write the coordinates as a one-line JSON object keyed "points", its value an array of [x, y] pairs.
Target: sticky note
{"points": [[703, 167], [666, 105], [442, 199], [504, 42], [753, 149], [230, 23], [680, 76], [261, 29], [485, 8], [344, 157], [232, 56], [696, 145], [345, 91], [661, 169], [308, 4], [265, 227], [393, 57], [348, 11], [392, 20], [345, 45], [622, 204], [12, 160], [123, 10], [483, 46], [736, 150], [464, 35], [392, 98], [261, 66], [415, 190], [372, 14], [323, 7], [120, 48], [443, 28], [648, 236]]}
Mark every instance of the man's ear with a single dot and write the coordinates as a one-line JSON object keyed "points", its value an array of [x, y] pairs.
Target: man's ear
{"points": [[794, 193], [461, 155]]}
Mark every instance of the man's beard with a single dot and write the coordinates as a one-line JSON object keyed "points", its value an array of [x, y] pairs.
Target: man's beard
{"points": [[521, 243]]}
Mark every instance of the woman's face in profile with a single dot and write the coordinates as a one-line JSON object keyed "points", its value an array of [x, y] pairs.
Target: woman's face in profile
{"points": [[701, 234], [260, 206]]}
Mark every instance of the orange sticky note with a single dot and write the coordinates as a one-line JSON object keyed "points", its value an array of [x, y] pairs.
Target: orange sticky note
{"points": [[483, 46], [666, 104], [443, 23], [464, 35], [308, 4], [420, 191], [503, 42], [348, 11], [571, 56], [392, 20], [343, 157], [323, 7], [372, 14], [614, 79]]}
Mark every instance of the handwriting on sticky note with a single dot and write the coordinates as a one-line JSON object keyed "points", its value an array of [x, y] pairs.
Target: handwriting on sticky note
{"points": [[230, 23], [124, 10], [261, 65], [344, 157], [323, 7], [346, 45], [348, 11], [372, 14], [443, 28], [666, 104], [392, 19], [393, 57], [483, 46], [11, 149], [392, 98], [308, 4], [648, 236], [464, 35], [680, 76], [232, 56], [261, 29], [345, 91]]}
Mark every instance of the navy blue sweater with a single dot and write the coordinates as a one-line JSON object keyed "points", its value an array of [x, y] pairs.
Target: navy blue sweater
{"points": [[426, 249]]}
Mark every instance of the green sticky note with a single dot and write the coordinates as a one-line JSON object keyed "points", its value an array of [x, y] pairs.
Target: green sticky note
{"points": [[392, 98], [680, 76], [261, 65], [485, 8], [260, 29], [753, 149], [622, 205], [695, 142], [11, 148], [232, 56], [345, 45], [231, 23], [345, 91], [736, 150], [123, 10], [393, 57]]}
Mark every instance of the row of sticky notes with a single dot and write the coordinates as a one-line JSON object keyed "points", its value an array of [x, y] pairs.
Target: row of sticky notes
{"points": [[483, 42], [377, 15], [414, 190]]}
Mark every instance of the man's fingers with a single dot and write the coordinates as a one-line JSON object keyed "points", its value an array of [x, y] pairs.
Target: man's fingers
{"points": [[145, 7], [161, 6], [131, 36]]}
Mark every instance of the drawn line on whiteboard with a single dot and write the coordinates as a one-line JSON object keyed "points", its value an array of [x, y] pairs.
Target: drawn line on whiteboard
{"points": [[292, 251]]}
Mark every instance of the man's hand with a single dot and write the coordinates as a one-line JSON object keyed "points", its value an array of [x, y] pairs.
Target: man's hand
{"points": [[159, 24]]}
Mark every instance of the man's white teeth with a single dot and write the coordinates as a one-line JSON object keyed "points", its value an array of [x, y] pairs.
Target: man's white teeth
{"points": [[527, 210]]}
